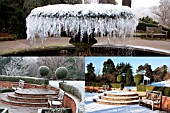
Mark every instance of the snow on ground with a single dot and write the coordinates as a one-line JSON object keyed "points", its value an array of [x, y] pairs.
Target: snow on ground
{"points": [[92, 107]]}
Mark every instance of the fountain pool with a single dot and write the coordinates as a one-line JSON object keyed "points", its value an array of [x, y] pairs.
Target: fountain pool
{"points": [[96, 50]]}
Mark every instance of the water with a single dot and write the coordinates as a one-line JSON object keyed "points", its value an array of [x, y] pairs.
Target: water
{"points": [[105, 19]]}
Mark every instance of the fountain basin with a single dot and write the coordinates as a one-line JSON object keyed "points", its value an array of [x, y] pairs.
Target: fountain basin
{"points": [[118, 97], [96, 50]]}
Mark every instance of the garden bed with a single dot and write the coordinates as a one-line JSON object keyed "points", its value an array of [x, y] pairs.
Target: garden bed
{"points": [[7, 37], [57, 110]]}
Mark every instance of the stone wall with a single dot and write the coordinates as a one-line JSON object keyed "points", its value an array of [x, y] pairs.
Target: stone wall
{"points": [[5, 84], [165, 103]]}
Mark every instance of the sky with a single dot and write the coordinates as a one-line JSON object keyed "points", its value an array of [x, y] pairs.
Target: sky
{"points": [[134, 61], [142, 3]]}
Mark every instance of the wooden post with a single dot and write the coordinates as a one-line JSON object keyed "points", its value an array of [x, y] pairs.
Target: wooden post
{"points": [[126, 3]]}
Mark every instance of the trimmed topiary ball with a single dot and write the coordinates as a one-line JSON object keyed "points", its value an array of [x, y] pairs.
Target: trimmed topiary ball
{"points": [[120, 78], [61, 73], [44, 70], [138, 79]]}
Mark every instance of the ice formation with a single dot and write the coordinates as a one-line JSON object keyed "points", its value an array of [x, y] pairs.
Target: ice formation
{"points": [[106, 19]]}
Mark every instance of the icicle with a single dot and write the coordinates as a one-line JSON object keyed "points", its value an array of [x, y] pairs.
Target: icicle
{"points": [[116, 21]]}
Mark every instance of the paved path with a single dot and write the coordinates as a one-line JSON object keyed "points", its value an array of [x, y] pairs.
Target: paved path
{"points": [[7, 46], [92, 107]]}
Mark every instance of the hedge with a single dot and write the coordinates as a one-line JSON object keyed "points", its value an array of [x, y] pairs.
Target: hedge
{"points": [[116, 85], [93, 84], [71, 89], [165, 90], [142, 26], [7, 38], [31, 80]]}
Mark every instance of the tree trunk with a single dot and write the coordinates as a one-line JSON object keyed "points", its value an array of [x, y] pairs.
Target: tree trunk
{"points": [[126, 3]]}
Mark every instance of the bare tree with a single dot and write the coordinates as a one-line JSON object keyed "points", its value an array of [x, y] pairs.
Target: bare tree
{"points": [[33, 67], [162, 12], [16, 67]]}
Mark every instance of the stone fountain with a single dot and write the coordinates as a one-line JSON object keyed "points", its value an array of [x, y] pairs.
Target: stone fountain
{"points": [[83, 22]]}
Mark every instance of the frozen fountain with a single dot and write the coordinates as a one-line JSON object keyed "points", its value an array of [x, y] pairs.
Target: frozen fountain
{"points": [[83, 22]]}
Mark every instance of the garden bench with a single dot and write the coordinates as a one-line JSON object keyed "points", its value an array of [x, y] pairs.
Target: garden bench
{"points": [[19, 85], [56, 101], [140, 33], [152, 98], [156, 32]]}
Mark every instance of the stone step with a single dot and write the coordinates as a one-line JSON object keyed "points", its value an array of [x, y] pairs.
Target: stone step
{"points": [[121, 95], [100, 101], [35, 93], [119, 98], [5, 100], [13, 97]]}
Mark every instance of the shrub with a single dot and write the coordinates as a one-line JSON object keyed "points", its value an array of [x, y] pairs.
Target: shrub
{"points": [[142, 26], [138, 79], [165, 90], [56, 110], [93, 84], [153, 88], [32, 80], [148, 19], [116, 85], [71, 89], [120, 78], [44, 70], [141, 88], [61, 73]]}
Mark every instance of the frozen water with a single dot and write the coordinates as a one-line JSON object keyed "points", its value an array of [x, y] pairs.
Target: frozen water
{"points": [[163, 83], [106, 19]]}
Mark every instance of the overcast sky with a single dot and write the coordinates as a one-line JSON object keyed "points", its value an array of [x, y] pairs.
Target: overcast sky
{"points": [[142, 3], [134, 61]]}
